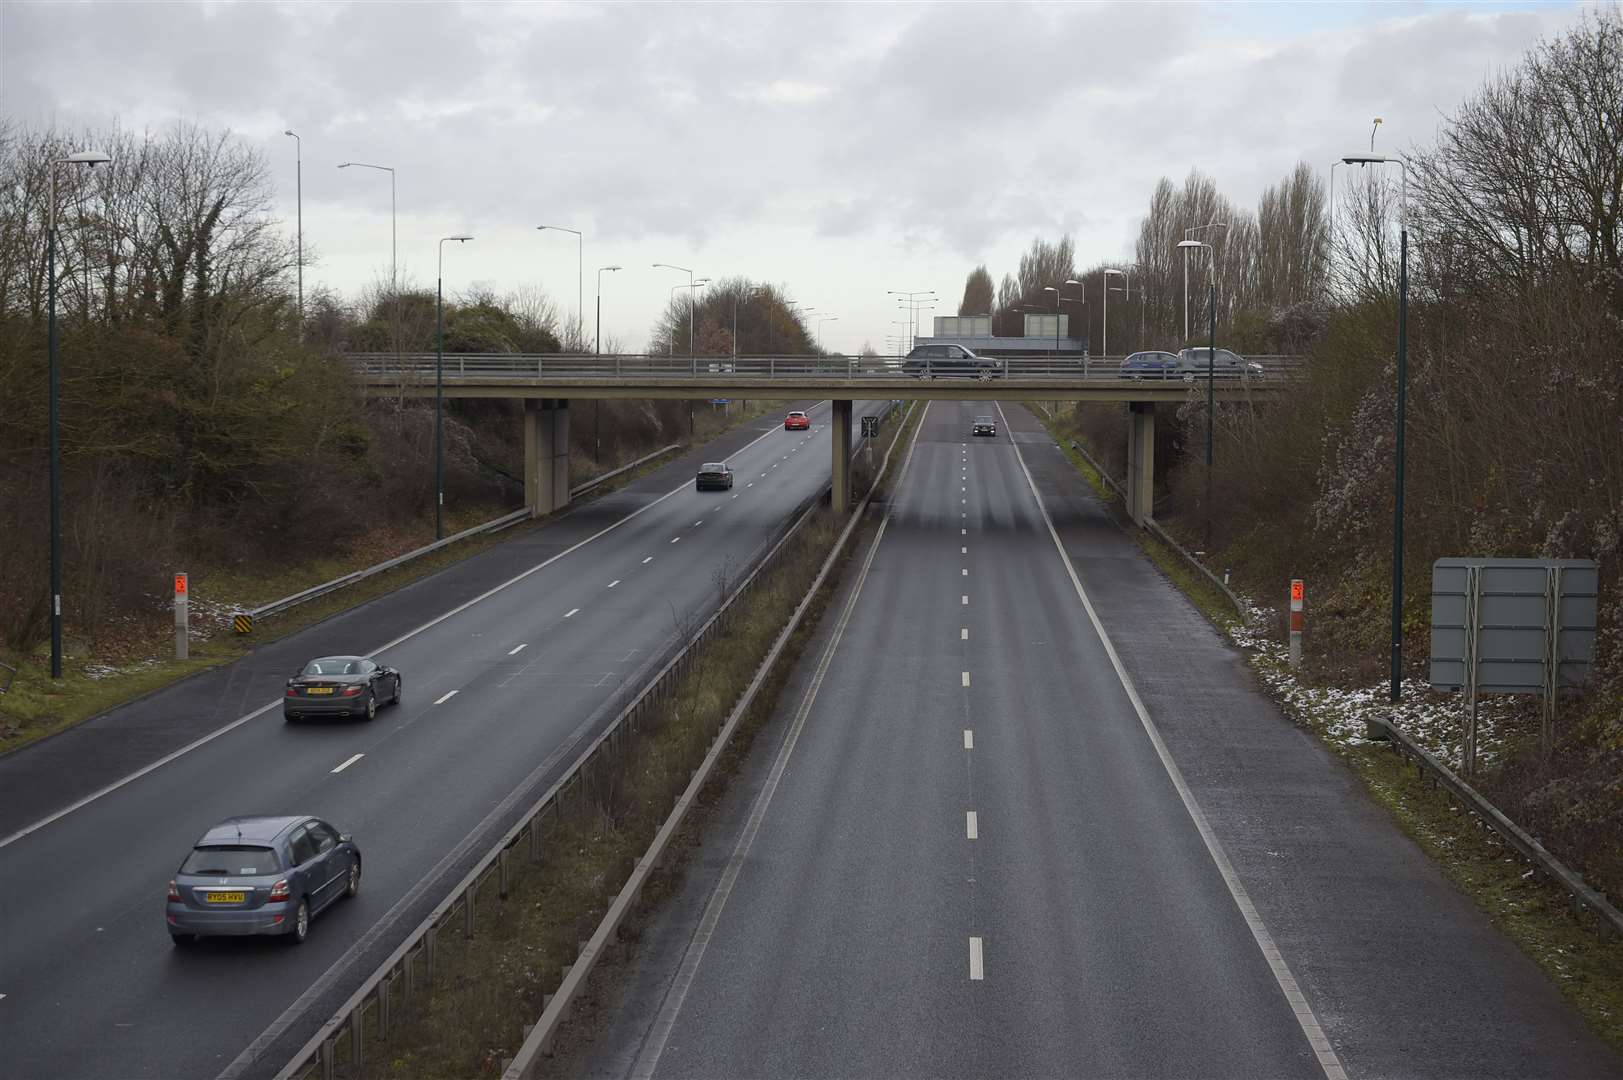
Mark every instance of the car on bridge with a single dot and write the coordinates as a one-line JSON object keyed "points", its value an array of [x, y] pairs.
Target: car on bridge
{"points": [[714, 476], [253, 876], [341, 686], [984, 425], [928, 361], [1225, 365], [1151, 364], [797, 421]]}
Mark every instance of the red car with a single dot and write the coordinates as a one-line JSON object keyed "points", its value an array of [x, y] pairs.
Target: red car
{"points": [[797, 421]]}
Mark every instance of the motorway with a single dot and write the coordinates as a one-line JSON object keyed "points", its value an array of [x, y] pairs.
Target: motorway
{"points": [[996, 829], [509, 661]]}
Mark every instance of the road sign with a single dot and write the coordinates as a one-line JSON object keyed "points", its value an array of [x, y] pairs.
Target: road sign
{"points": [[721, 401], [242, 622], [1511, 626], [870, 426]]}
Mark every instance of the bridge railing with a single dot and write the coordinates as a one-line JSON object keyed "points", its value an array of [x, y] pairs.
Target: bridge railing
{"points": [[418, 366]]}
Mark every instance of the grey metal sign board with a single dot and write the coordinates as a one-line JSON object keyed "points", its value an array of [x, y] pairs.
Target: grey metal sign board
{"points": [[1503, 612]]}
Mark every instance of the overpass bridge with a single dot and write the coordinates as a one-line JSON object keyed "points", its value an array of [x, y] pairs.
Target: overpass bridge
{"points": [[547, 382]]}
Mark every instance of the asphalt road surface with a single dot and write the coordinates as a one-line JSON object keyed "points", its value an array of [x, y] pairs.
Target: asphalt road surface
{"points": [[977, 852], [500, 686]]}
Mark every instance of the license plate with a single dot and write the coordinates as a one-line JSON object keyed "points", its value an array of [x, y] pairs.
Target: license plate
{"points": [[319, 690], [226, 897]]}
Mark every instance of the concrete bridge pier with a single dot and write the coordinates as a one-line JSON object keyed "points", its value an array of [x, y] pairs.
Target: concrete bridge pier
{"points": [[1141, 461], [546, 454], [842, 457]]}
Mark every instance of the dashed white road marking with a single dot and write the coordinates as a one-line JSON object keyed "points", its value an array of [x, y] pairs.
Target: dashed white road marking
{"points": [[963, 633], [969, 739], [963, 488], [674, 539], [447, 697], [348, 763], [613, 583], [966, 598], [520, 648], [750, 484], [966, 571], [963, 551], [963, 532], [735, 496], [977, 966], [696, 524], [570, 614], [972, 825], [648, 560], [966, 678]]}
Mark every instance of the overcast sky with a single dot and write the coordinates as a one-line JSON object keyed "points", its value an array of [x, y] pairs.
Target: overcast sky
{"points": [[838, 150]]}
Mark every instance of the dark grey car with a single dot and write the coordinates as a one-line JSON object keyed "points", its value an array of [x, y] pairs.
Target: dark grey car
{"points": [[1224, 365], [341, 686], [930, 361], [261, 875]]}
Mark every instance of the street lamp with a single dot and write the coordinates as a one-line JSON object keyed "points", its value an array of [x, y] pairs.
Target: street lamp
{"points": [[1211, 360], [742, 294], [821, 319], [912, 298], [89, 159], [689, 273], [1104, 314], [1186, 246], [597, 341], [298, 182], [1396, 688], [439, 389], [1057, 298], [394, 262], [580, 302]]}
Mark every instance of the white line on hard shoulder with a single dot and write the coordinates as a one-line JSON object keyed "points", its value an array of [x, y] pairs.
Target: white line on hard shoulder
{"points": [[966, 678], [648, 560], [348, 763], [571, 613], [1329, 1062], [969, 739], [613, 583], [972, 825], [520, 648], [977, 966], [447, 697]]}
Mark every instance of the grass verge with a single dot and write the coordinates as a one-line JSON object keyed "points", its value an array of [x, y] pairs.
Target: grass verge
{"points": [[37, 706], [1531, 910]]}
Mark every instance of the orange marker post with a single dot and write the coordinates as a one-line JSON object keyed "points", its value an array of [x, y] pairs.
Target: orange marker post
{"points": [[181, 606], [1298, 596]]}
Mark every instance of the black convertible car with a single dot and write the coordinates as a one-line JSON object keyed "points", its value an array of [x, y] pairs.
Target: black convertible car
{"points": [[341, 686]]}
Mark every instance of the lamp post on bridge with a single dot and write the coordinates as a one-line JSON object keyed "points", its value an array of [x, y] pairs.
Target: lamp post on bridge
{"points": [[1058, 296], [439, 389], [821, 319], [689, 273], [90, 159], [912, 300], [394, 250], [1104, 315], [580, 303]]}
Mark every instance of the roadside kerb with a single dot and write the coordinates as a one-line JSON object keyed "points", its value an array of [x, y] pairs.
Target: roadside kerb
{"points": [[1154, 528], [409, 970], [538, 1040], [1608, 918], [276, 607]]}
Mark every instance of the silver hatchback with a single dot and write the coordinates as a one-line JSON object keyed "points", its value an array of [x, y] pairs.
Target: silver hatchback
{"points": [[261, 875]]}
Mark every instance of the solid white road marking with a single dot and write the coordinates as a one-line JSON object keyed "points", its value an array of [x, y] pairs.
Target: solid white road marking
{"points": [[963, 633], [966, 678], [519, 649], [1305, 1019], [969, 739], [977, 968], [648, 560], [613, 583], [348, 763], [446, 698], [972, 825], [570, 614]]}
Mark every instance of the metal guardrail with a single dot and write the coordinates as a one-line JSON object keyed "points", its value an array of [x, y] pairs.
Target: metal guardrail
{"points": [[395, 984], [1608, 918], [276, 607], [560, 365]]}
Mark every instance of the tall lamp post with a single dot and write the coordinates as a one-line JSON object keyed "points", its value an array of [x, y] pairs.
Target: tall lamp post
{"points": [[580, 300], [1104, 315], [89, 159], [821, 319], [439, 389], [597, 340], [689, 273], [912, 301], [394, 261], [298, 188], [1187, 234], [1395, 690], [1058, 296], [742, 294], [1211, 359]]}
